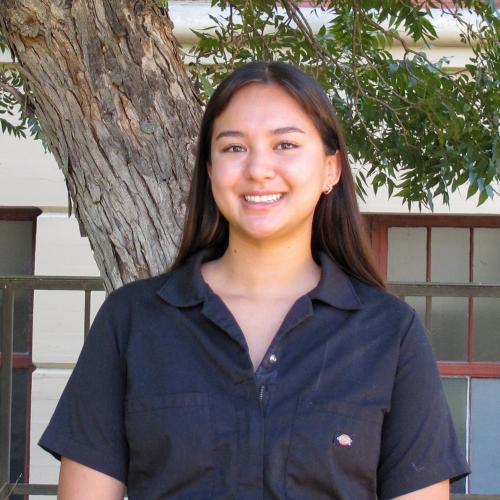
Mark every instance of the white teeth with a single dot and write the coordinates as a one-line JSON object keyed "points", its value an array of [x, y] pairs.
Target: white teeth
{"points": [[267, 198]]}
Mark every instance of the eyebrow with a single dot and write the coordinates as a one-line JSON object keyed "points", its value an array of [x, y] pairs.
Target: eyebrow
{"points": [[276, 131]]}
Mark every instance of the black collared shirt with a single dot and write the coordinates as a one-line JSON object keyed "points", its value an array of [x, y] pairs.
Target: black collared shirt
{"points": [[346, 404]]}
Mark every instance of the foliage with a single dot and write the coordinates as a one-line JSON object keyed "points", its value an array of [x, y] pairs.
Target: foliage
{"points": [[14, 92], [415, 126]]}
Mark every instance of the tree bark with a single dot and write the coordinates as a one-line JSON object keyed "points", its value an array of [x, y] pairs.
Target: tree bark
{"points": [[120, 116]]}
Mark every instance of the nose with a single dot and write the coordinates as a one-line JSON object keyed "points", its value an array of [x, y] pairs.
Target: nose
{"points": [[260, 166]]}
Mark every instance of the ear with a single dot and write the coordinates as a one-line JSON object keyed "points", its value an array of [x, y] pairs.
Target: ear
{"points": [[209, 169], [334, 168]]}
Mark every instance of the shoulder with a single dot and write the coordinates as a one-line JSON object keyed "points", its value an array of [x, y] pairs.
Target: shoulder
{"points": [[179, 287], [375, 299], [139, 289], [400, 337], [340, 288], [399, 325], [132, 297]]}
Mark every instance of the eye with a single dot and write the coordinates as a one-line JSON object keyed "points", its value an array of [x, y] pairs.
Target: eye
{"points": [[286, 145], [234, 148]]}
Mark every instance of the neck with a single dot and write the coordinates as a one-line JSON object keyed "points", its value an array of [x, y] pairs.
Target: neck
{"points": [[267, 269]]}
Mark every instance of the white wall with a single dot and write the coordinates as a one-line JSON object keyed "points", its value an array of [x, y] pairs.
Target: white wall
{"points": [[28, 176], [458, 204]]}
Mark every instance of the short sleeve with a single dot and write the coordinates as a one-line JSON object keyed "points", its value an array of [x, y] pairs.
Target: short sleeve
{"points": [[88, 422], [419, 444]]}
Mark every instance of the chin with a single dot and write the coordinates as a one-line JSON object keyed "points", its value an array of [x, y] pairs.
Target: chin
{"points": [[261, 236]]}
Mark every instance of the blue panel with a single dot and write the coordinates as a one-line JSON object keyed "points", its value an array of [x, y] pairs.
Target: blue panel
{"points": [[485, 436]]}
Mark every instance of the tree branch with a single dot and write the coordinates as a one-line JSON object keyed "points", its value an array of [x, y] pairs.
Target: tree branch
{"points": [[19, 96], [400, 39], [22, 99], [294, 13]]}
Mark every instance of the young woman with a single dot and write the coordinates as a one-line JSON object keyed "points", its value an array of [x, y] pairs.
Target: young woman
{"points": [[269, 362]]}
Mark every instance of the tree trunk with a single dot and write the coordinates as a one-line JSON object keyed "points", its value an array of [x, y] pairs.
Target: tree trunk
{"points": [[120, 117]]}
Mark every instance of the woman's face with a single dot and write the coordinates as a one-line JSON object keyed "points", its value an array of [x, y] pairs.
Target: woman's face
{"points": [[268, 164]]}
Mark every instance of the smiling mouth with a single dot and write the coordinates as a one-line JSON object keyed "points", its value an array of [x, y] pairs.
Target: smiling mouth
{"points": [[265, 198]]}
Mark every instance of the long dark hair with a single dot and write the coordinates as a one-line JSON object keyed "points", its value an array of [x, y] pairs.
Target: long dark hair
{"points": [[337, 229]]}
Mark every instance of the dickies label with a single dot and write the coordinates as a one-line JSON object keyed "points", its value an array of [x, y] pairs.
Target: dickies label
{"points": [[344, 440]]}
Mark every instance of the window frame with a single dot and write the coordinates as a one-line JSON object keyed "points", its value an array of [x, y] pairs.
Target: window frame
{"points": [[378, 226]]}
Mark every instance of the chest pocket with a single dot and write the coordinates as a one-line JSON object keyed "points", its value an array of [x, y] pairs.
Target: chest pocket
{"points": [[171, 446], [334, 451]]}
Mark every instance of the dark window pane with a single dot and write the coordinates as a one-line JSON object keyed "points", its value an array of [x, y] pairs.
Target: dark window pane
{"points": [[485, 436], [16, 247], [456, 393], [18, 467], [16, 254], [22, 319]]}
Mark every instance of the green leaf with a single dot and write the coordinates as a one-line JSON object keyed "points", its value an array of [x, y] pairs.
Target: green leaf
{"points": [[472, 190], [483, 196], [207, 86]]}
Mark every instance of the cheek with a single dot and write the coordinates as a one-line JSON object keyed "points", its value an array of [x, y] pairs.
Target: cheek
{"points": [[309, 166], [222, 178], [310, 179], [223, 182], [226, 172]]}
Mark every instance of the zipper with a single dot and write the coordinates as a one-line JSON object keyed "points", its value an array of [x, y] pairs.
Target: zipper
{"points": [[262, 389]]}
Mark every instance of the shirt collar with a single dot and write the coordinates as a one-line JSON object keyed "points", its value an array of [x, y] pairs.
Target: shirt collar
{"points": [[185, 286], [335, 287]]}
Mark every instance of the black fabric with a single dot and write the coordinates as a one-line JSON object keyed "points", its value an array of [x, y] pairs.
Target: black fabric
{"points": [[164, 396]]}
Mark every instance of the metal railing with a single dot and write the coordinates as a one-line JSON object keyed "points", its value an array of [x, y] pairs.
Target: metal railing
{"points": [[10, 284]]}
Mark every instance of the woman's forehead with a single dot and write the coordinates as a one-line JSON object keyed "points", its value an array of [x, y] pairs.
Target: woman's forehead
{"points": [[261, 105], [260, 91]]}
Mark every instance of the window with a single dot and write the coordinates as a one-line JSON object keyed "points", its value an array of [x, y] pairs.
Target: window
{"points": [[17, 245], [465, 331]]}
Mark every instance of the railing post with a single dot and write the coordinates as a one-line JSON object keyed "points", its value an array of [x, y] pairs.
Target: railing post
{"points": [[6, 383]]}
